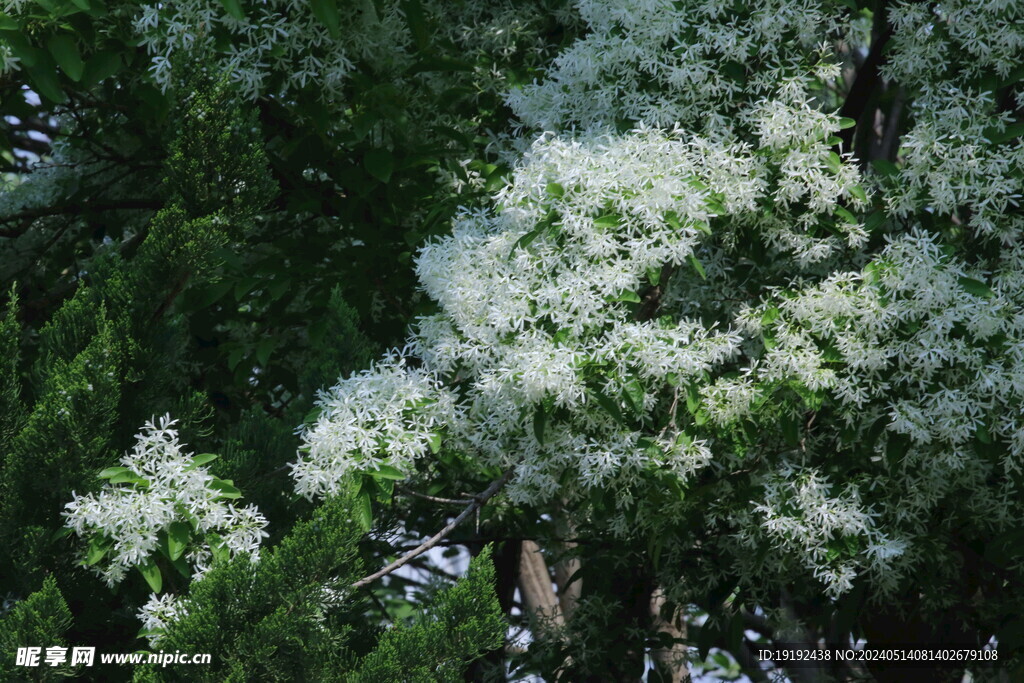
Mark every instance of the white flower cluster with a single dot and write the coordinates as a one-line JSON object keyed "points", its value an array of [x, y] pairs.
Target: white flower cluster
{"points": [[386, 415], [714, 256], [541, 322], [160, 612], [958, 158], [917, 346], [918, 330], [159, 485], [831, 534], [279, 38], [664, 63], [974, 36]]}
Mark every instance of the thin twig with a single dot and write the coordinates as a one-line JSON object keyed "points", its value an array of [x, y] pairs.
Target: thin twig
{"points": [[478, 501], [672, 414], [433, 499]]}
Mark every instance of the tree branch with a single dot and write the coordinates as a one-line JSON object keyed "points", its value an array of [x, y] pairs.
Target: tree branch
{"points": [[867, 77], [432, 499], [77, 207], [477, 503]]}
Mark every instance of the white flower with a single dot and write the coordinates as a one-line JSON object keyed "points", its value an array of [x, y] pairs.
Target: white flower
{"points": [[167, 488]]}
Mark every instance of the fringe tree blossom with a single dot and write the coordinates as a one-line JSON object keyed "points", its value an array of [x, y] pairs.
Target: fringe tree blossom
{"points": [[160, 612], [162, 495], [799, 513], [667, 63], [539, 302], [692, 303], [383, 416]]}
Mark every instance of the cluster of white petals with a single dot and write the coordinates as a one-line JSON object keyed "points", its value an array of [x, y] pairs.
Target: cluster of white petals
{"points": [[802, 516], [279, 37], [665, 62], [382, 416], [164, 486], [541, 323], [687, 276], [959, 157], [160, 612]]}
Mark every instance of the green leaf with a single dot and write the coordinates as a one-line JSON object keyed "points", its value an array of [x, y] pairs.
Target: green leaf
{"points": [[555, 190], [698, 267], [885, 167], [200, 460], [220, 551], [379, 164], [716, 207], [364, 512], [526, 239], [630, 297], [611, 220], [654, 276], [182, 567], [151, 573], [100, 67], [65, 52], [28, 54], [225, 487], [790, 430], [1011, 132], [609, 406], [434, 441], [834, 162], [8, 24], [846, 215], [413, 11], [387, 472], [896, 448], [846, 122], [874, 220], [735, 71], [98, 547], [44, 81], [982, 434], [858, 192], [633, 392], [693, 399], [831, 354], [112, 472], [312, 415], [264, 348], [128, 477], [975, 287], [327, 12], [178, 536], [540, 423], [234, 8]]}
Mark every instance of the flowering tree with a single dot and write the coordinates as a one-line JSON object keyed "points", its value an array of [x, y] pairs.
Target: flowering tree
{"points": [[725, 328], [750, 300]]}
